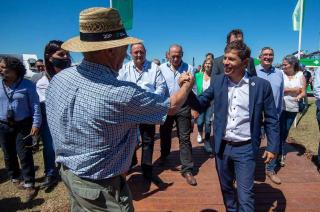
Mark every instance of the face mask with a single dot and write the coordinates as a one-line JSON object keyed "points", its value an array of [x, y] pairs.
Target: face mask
{"points": [[61, 63]]}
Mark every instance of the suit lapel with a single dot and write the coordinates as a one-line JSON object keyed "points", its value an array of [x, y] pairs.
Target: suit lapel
{"points": [[224, 101], [252, 95]]}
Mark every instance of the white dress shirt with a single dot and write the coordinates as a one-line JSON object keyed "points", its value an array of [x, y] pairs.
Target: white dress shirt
{"points": [[41, 87], [238, 120], [149, 78]]}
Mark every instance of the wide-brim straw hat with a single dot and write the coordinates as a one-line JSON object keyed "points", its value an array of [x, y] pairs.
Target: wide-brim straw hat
{"points": [[100, 28]]}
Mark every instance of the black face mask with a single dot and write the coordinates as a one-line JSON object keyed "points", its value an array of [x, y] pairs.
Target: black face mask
{"points": [[208, 72], [61, 63]]}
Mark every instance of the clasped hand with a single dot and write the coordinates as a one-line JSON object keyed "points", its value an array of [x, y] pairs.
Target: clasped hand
{"points": [[186, 79]]}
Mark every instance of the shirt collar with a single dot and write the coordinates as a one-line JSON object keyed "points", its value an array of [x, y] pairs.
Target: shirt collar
{"points": [[144, 65], [267, 71], [96, 69], [172, 68], [244, 80]]}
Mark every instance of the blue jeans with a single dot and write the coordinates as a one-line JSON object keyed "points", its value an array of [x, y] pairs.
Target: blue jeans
{"points": [[237, 163], [286, 121], [48, 151], [204, 119]]}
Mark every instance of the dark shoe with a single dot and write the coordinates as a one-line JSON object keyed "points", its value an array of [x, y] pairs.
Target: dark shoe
{"points": [[273, 177], [147, 173], [30, 194], [20, 185], [155, 180], [190, 179], [49, 181]]}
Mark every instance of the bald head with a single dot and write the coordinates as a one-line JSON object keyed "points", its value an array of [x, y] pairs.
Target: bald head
{"points": [[175, 47]]}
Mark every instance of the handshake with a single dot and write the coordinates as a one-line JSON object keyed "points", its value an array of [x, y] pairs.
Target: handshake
{"points": [[186, 79]]}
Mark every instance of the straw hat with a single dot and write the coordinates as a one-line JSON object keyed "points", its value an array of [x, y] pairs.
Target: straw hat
{"points": [[100, 28]]}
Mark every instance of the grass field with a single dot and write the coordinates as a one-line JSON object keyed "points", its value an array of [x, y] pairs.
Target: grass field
{"points": [[306, 134]]}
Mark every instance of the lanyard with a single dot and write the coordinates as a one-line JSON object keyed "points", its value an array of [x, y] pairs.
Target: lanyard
{"points": [[10, 98], [137, 78]]}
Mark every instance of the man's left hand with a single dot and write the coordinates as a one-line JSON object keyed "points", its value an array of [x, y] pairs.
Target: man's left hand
{"points": [[268, 156], [34, 131], [184, 77]]}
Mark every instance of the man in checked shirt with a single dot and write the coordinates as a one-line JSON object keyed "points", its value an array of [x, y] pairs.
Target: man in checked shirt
{"points": [[93, 116]]}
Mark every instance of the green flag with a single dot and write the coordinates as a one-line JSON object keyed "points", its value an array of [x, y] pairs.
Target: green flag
{"points": [[297, 13], [125, 7]]}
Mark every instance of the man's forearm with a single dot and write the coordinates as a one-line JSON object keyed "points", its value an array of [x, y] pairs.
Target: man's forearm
{"points": [[178, 99]]}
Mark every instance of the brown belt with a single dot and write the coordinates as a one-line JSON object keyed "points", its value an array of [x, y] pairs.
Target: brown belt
{"points": [[235, 143]]}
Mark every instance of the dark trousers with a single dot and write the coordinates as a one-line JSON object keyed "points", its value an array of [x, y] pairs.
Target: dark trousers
{"points": [[13, 144], [183, 123], [111, 194], [147, 132], [236, 163]]}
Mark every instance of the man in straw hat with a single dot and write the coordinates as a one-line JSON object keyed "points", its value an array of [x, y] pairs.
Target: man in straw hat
{"points": [[94, 117]]}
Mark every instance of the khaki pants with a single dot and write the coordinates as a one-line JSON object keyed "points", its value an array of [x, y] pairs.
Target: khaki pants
{"points": [[112, 194]]}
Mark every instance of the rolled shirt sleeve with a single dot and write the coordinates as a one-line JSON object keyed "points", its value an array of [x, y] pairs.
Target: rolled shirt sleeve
{"points": [[147, 108], [34, 105]]}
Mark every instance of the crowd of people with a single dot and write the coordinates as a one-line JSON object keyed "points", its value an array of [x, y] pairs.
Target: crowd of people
{"points": [[91, 116]]}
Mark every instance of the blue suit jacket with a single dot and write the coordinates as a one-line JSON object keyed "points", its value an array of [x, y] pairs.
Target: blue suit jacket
{"points": [[261, 103]]}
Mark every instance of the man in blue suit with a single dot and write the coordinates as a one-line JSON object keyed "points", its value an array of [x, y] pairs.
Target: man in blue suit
{"points": [[239, 102]]}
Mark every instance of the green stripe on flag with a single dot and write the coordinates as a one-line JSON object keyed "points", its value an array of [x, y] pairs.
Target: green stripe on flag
{"points": [[125, 8]]}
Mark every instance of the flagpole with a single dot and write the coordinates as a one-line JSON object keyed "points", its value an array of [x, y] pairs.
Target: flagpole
{"points": [[299, 47], [300, 30]]}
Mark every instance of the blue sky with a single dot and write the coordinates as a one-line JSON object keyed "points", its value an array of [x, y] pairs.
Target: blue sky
{"points": [[199, 26]]}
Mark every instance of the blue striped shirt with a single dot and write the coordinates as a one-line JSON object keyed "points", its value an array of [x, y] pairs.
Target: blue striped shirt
{"points": [[275, 77], [93, 118], [25, 102], [172, 76]]}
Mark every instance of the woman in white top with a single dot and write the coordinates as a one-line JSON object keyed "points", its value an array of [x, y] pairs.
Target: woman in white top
{"points": [[56, 59], [294, 91]]}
